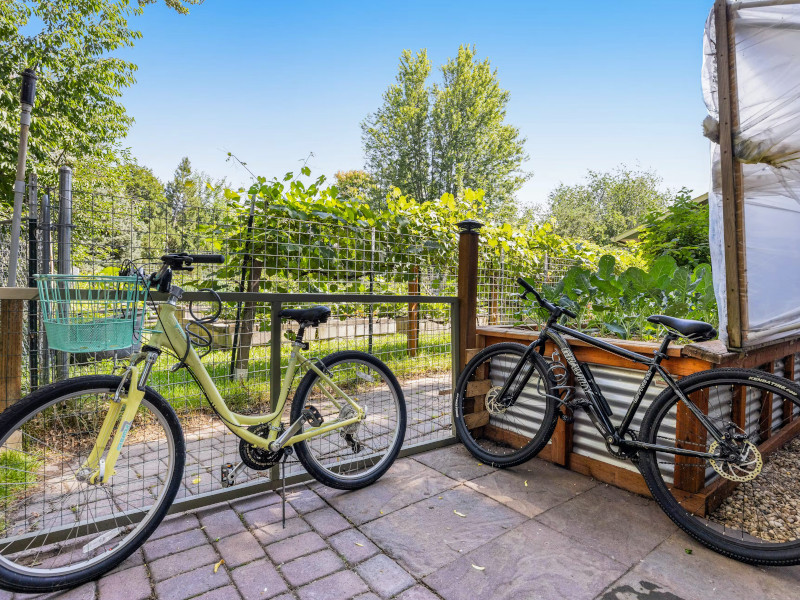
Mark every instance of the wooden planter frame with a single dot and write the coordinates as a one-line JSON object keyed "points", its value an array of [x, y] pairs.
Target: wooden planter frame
{"points": [[682, 361]]}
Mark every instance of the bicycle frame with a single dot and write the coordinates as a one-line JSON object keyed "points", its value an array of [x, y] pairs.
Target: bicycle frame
{"points": [[598, 408], [172, 336]]}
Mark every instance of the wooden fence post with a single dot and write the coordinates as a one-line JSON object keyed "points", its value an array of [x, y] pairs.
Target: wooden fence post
{"points": [[413, 314], [732, 179], [11, 321], [468, 240]]}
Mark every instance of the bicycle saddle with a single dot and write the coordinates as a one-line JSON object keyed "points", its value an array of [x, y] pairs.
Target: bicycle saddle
{"points": [[697, 331], [307, 316]]}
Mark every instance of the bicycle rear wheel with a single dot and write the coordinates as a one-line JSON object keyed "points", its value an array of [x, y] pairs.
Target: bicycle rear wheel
{"points": [[354, 456], [58, 530], [746, 503], [496, 432]]}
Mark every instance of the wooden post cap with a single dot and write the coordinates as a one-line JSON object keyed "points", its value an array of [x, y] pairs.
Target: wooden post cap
{"points": [[469, 226]]}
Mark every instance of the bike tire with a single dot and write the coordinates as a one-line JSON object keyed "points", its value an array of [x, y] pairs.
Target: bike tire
{"points": [[713, 501], [329, 458], [56, 428], [513, 435]]}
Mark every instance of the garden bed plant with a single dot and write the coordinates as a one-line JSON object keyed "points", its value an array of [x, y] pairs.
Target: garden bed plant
{"points": [[613, 302]]}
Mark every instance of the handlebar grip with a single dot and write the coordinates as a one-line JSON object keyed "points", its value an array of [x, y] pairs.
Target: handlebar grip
{"points": [[211, 259], [569, 313], [525, 285]]}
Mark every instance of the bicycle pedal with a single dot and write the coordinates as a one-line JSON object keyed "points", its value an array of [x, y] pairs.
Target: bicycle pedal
{"points": [[312, 415]]}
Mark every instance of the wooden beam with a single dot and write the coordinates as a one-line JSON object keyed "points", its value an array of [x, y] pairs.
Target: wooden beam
{"points": [[478, 388], [468, 241], [691, 435], [788, 373], [765, 414], [732, 179], [476, 419], [504, 436], [10, 352], [607, 473]]}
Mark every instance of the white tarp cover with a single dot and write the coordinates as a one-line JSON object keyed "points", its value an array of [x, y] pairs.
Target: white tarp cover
{"points": [[768, 145]]}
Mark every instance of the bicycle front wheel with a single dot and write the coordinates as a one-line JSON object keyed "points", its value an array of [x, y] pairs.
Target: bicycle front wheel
{"points": [[57, 529], [499, 431], [745, 502], [356, 455]]}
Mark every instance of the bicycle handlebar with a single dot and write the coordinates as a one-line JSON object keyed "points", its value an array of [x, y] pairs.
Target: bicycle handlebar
{"points": [[551, 308]]}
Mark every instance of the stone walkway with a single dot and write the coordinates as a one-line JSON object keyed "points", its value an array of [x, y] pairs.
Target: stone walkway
{"points": [[437, 525]]}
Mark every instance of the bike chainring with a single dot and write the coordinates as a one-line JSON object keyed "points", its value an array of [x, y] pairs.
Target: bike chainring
{"points": [[257, 458], [747, 468], [620, 452]]}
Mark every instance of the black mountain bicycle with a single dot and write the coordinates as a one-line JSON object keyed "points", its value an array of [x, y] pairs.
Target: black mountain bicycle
{"points": [[719, 450]]}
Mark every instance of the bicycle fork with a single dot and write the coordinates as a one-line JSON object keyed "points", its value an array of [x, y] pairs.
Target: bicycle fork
{"points": [[98, 469]]}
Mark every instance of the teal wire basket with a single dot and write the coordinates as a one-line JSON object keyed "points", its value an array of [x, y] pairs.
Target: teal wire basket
{"points": [[91, 313]]}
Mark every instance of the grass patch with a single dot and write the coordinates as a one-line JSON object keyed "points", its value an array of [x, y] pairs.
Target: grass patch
{"points": [[17, 474], [252, 395]]}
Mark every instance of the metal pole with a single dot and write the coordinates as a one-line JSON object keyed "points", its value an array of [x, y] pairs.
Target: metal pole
{"points": [[46, 268], [64, 244], [274, 366], [247, 257], [27, 98], [33, 315]]}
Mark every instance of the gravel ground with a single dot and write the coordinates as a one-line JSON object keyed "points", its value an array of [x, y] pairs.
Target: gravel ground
{"points": [[768, 507]]}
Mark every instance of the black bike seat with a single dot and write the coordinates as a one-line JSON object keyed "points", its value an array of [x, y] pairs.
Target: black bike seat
{"points": [[697, 331], [307, 316]]}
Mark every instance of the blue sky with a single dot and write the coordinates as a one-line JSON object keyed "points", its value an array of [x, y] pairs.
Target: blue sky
{"points": [[593, 85]]}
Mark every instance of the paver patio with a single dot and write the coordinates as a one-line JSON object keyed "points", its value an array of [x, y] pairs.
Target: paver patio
{"points": [[560, 536]]}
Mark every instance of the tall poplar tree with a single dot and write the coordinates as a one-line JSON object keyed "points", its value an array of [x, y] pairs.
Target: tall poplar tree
{"points": [[431, 140]]}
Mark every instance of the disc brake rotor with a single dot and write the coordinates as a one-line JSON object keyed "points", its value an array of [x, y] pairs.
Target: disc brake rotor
{"points": [[747, 469], [493, 403]]}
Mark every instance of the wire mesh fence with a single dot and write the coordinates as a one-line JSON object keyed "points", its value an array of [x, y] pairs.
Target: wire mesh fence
{"points": [[499, 301], [281, 254]]}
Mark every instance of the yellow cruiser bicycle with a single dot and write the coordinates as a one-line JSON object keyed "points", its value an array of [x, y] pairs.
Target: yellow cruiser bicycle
{"points": [[90, 465]]}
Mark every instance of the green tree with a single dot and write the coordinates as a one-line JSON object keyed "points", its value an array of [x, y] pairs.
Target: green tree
{"points": [[359, 186], [472, 145], [193, 201], [681, 231], [442, 139], [606, 205], [397, 137], [77, 115]]}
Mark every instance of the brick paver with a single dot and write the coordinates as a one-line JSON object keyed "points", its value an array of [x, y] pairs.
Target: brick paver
{"points": [[294, 547], [228, 592], [276, 532], [327, 521], [192, 583], [131, 584], [175, 564], [561, 536], [353, 545], [258, 580], [267, 515], [305, 500], [418, 592], [343, 585], [175, 524], [174, 544], [385, 576], [221, 522], [308, 568], [240, 549]]}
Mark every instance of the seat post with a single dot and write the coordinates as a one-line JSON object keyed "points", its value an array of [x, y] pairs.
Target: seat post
{"points": [[661, 353]]}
